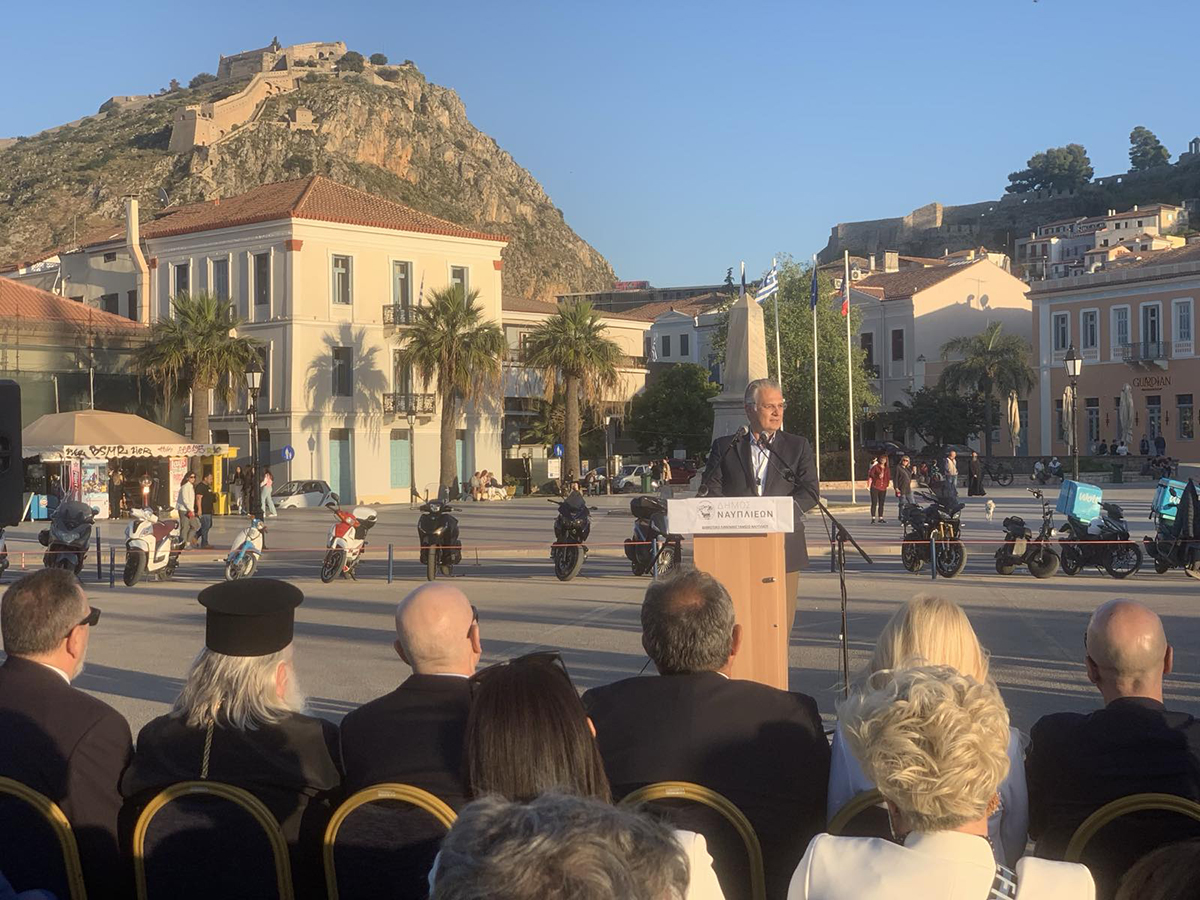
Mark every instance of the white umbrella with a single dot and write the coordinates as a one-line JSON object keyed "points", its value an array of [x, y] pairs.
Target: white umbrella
{"points": [[1126, 415], [1014, 421], [1068, 422]]}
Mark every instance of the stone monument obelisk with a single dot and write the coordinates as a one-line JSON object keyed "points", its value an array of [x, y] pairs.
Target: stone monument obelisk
{"points": [[745, 360]]}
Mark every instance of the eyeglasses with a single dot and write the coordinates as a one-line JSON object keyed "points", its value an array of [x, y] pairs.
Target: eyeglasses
{"points": [[474, 619], [90, 619], [550, 659], [773, 407]]}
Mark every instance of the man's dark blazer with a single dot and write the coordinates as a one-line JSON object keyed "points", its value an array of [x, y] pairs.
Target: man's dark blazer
{"points": [[734, 477], [73, 748], [762, 748], [1078, 762]]}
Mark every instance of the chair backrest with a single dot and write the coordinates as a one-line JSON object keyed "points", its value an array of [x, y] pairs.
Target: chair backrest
{"points": [[1124, 806], [49, 812], [855, 806], [686, 790], [395, 841], [206, 799]]}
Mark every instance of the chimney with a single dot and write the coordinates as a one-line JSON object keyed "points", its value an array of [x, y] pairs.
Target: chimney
{"points": [[891, 260], [1112, 212], [1135, 207], [133, 243], [870, 262]]}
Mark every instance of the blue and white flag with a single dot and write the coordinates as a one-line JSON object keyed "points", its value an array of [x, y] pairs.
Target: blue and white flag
{"points": [[813, 295], [770, 284]]}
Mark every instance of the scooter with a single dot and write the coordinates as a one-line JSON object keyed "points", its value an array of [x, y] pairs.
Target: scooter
{"points": [[438, 533], [939, 521], [152, 546], [67, 539], [651, 545], [571, 529], [243, 557], [1103, 542], [1176, 541], [347, 540], [1021, 547]]}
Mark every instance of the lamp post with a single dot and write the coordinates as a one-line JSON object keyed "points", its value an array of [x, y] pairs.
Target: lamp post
{"points": [[862, 427], [412, 455], [253, 384], [1073, 363]]}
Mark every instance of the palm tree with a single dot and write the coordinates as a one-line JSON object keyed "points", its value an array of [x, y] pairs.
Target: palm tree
{"points": [[449, 343], [576, 356], [992, 366], [198, 349]]}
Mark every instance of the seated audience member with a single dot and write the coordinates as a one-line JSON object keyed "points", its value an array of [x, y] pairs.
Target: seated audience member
{"points": [[762, 748], [55, 738], [931, 630], [240, 720], [1169, 873], [1077, 762], [935, 743], [556, 847], [528, 735], [8, 893]]}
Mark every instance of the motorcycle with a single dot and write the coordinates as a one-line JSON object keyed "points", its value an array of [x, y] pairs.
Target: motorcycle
{"points": [[1021, 547], [941, 521], [438, 533], [66, 540], [152, 546], [571, 529], [1176, 541], [346, 542], [1103, 542], [247, 548], [651, 544]]}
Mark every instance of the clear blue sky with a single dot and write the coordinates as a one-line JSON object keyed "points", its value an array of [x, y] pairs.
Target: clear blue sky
{"points": [[680, 137]]}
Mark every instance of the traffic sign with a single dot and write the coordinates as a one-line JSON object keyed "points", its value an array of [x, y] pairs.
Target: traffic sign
{"points": [[557, 450], [288, 453]]}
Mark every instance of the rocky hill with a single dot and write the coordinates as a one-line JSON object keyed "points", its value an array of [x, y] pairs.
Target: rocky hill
{"points": [[408, 140]]}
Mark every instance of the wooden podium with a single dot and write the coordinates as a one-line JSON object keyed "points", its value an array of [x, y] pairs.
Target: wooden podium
{"points": [[739, 541]]}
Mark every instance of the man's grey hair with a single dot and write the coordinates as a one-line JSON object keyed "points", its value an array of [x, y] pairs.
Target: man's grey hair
{"points": [[558, 846], [39, 611], [687, 623], [752, 389], [238, 691]]}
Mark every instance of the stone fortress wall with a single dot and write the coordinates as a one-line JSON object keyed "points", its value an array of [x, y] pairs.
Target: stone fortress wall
{"points": [[274, 57]]}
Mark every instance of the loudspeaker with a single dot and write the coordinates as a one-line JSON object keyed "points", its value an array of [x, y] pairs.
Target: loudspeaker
{"points": [[12, 475]]}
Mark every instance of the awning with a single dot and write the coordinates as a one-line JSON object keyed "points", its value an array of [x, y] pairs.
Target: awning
{"points": [[99, 434]]}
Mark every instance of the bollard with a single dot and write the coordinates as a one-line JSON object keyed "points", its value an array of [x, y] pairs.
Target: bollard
{"points": [[112, 565], [932, 558], [391, 563], [99, 560]]}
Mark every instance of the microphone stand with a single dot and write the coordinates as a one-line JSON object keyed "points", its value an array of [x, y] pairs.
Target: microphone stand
{"points": [[839, 536]]}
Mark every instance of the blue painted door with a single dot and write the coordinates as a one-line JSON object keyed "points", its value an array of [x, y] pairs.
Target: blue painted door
{"points": [[341, 465], [401, 459]]}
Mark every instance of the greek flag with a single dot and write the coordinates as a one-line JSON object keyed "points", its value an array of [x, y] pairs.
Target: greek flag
{"points": [[813, 295], [770, 284]]}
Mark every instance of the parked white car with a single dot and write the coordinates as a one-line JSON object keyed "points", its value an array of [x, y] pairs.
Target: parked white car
{"points": [[629, 478], [303, 495]]}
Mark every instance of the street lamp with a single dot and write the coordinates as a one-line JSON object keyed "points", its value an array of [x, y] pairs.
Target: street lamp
{"points": [[412, 455], [863, 424], [1073, 363], [253, 385]]}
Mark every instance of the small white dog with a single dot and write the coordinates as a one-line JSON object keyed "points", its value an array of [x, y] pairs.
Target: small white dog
{"points": [[989, 507]]}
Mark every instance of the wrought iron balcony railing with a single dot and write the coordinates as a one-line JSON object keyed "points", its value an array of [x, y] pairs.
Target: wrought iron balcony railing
{"points": [[1143, 351], [394, 314], [403, 404]]}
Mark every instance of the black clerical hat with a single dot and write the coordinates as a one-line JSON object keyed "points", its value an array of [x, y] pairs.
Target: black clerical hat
{"points": [[250, 616]]}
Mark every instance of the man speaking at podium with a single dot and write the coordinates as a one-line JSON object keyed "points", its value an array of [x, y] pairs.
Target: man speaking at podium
{"points": [[766, 461]]}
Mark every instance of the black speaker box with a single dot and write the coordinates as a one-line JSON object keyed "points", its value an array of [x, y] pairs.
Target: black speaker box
{"points": [[12, 476]]}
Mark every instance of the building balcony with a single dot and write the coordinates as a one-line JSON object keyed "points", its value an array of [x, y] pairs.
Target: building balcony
{"points": [[404, 404], [397, 316], [1143, 351]]}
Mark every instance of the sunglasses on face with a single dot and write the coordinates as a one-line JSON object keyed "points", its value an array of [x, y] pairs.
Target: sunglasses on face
{"points": [[90, 619], [474, 619]]}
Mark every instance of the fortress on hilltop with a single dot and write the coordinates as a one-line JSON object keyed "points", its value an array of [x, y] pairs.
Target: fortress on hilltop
{"points": [[273, 58]]}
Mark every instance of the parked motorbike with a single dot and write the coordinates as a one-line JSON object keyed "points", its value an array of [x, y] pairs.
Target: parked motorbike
{"points": [[67, 539], [3, 552], [1103, 542], [651, 544], [1176, 541], [1020, 547], [438, 533], [243, 557], [939, 520], [571, 529], [152, 546], [346, 542]]}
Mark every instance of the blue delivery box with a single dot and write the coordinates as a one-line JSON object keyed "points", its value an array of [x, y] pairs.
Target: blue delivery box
{"points": [[1166, 498], [1079, 501]]}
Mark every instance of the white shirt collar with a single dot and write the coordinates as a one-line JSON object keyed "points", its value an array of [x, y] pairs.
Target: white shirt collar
{"points": [[447, 674], [952, 845], [61, 674]]}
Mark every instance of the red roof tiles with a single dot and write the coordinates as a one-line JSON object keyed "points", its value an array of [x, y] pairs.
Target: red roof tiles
{"points": [[23, 302], [906, 282]]}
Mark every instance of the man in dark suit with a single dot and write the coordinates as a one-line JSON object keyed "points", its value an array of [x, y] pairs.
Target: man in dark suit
{"points": [[768, 462], [54, 738], [762, 748], [1077, 762]]}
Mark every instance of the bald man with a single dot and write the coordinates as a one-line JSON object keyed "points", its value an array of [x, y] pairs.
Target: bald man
{"points": [[1077, 762]]}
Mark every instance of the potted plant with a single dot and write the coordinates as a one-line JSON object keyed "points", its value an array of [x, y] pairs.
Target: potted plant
{"points": [[510, 485]]}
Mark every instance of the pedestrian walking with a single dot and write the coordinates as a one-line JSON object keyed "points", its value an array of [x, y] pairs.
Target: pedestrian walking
{"points": [[975, 476], [903, 480], [185, 506], [237, 489], [265, 486], [879, 476], [950, 470], [205, 495]]}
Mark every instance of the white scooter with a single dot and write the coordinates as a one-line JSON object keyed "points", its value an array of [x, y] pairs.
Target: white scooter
{"points": [[152, 546], [347, 540], [242, 561]]}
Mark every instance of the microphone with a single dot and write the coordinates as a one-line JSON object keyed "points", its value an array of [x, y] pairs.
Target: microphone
{"points": [[788, 472], [737, 436]]}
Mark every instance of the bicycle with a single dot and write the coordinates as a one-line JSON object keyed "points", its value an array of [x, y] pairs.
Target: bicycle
{"points": [[1000, 473]]}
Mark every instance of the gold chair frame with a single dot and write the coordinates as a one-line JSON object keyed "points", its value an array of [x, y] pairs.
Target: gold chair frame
{"points": [[239, 797], [855, 806], [686, 790], [1123, 806], [405, 793], [57, 820]]}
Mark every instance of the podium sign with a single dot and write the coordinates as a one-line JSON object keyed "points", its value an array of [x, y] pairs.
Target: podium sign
{"points": [[731, 515]]}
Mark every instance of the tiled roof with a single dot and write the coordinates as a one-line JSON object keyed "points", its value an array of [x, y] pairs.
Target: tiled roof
{"points": [[907, 282], [315, 198], [869, 290], [692, 306], [1187, 253], [924, 260], [99, 234], [22, 301], [524, 304]]}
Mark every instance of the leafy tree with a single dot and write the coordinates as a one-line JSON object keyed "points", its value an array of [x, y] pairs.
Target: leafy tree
{"points": [[938, 415], [673, 411], [196, 350], [1057, 168], [174, 86], [578, 358], [351, 61], [992, 365], [202, 79], [729, 277], [1146, 150], [450, 344], [378, 59], [796, 345]]}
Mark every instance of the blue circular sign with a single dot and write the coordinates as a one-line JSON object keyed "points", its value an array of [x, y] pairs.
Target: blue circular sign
{"points": [[557, 450], [287, 453]]}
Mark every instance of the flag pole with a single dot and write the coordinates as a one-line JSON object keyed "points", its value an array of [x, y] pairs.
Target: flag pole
{"points": [[849, 374], [778, 357], [816, 383]]}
